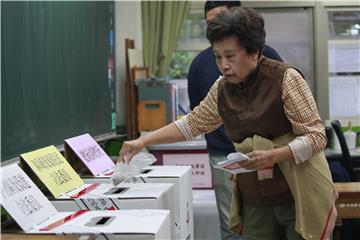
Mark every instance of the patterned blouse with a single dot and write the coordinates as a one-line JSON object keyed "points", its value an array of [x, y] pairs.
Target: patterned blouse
{"points": [[300, 109]]}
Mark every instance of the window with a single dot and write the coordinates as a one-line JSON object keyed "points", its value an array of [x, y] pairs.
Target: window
{"points": [[344, 64], [344, 24], [293, 44], [191, 41], [180, 63]]}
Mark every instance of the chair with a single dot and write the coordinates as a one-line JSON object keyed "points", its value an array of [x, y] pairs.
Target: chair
{"points": [[346, 160]]}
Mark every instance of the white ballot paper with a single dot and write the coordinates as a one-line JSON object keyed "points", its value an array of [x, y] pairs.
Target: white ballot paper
{"points": [[232, 164], [123, 171]]}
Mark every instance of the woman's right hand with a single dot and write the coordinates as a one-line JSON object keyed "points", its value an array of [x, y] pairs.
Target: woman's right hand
{"points": [[129, 149]]}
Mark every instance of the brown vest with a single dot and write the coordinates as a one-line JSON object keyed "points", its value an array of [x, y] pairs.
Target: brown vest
{"points": [[255, 107]]}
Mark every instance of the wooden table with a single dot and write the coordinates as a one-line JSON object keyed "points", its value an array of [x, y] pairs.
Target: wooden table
{"points": [[348, 203]]}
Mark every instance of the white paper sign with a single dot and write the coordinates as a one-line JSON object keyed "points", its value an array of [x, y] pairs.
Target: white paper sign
{"points": [[344, 96], [344, 57], [22, 199], [199, 162], [97, 204]]}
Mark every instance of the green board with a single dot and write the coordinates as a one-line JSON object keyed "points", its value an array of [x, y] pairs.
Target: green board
{"points": [[54, 73]]}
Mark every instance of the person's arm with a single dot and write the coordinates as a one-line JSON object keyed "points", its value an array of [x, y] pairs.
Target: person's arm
{"points": [[261, 159], [204, 118], [301, 110], [167, 134]]}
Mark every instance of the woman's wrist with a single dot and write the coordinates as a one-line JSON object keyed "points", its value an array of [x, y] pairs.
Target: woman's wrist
{"points": [[281, 154], [143, 142]]}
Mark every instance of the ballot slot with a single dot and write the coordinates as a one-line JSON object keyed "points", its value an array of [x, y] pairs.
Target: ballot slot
{"points": [[100, 221], [103, 221], [116, 190], [146, 171]]}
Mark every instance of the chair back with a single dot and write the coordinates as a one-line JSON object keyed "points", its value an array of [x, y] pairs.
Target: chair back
{"points": [[346, 159]]}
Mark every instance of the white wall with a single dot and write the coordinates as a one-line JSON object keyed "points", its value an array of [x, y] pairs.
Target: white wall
{"points": [[127, 25]]}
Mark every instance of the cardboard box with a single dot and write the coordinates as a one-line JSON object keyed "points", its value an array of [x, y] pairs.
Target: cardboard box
{"points": [[70, 193], [123, 196], [181, 177], [35, 214]]}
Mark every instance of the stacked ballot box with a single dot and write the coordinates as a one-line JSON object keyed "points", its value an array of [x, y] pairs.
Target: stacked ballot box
{"points": [[77, 148], [123, 196], [181, 177], [120, 224], [70, 193], [34, 213]]}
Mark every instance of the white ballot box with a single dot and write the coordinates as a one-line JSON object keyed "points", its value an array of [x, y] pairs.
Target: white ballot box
{"points": [[181, 177], [34, 213], [70, 193], [123, 196]]}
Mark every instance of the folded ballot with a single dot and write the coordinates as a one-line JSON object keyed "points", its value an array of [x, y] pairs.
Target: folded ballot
{"points": [[123, 171], [232, 164]]}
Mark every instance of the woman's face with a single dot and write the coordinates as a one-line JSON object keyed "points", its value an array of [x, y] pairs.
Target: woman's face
{"points": [[233, 61]]}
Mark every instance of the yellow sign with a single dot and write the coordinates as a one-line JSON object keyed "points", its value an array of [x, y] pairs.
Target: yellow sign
{"points": [[53, 170]]}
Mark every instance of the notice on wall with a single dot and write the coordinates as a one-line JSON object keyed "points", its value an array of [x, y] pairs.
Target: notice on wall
{"points": [[344, 95], [90, 153], [344, 57], [200, 167], [22, 199], [53, 170]]}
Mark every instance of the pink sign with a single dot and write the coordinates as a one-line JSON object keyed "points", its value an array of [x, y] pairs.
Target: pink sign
{"points": [[90, 153], [199, 162]]}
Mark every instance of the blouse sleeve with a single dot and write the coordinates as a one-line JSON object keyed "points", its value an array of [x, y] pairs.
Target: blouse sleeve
{"points": [[204, 118], [301, 110]]}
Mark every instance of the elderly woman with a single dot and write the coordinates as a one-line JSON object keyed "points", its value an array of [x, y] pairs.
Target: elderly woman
{"points": [[269, 113]]}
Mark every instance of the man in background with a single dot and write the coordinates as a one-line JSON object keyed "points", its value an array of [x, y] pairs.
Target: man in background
{"points": [[202, 74]]}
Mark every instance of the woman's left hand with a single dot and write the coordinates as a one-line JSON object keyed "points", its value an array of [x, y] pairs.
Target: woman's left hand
{"points": [[260, 159]]}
